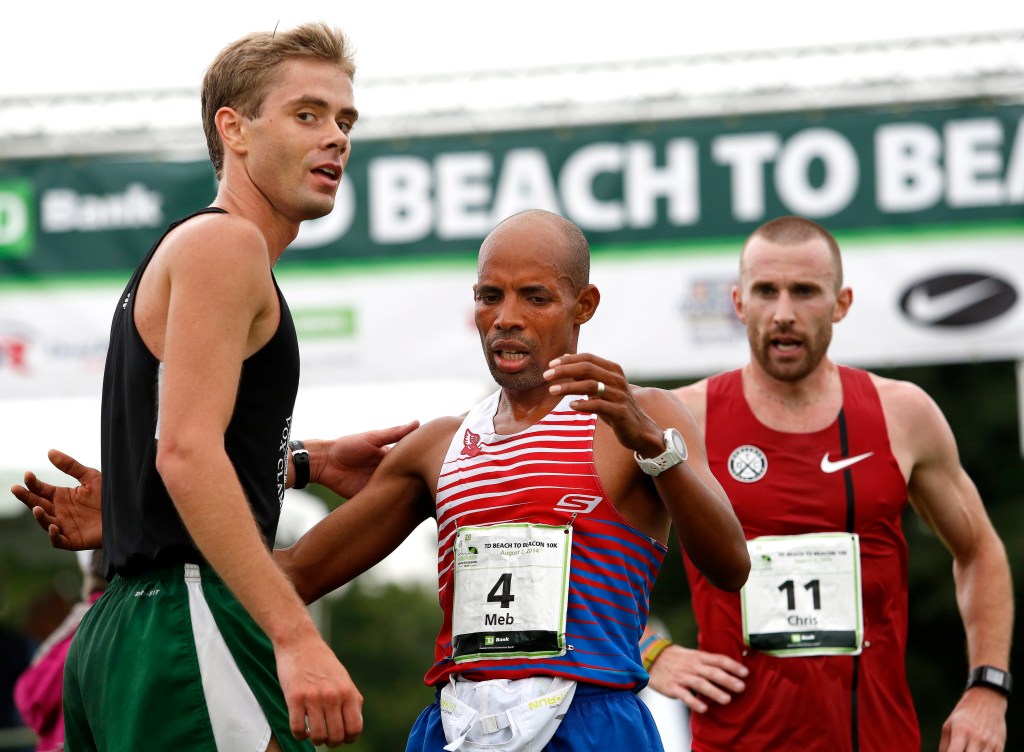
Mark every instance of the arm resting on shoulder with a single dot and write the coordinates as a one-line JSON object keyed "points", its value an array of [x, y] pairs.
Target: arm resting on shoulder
{"points": [[370, 525], [344, 465]]}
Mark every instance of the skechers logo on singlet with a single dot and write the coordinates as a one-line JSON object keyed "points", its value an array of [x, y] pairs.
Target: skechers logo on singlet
{"points": [[834, 466], [470, 444], [747, 463], [578, 503]]}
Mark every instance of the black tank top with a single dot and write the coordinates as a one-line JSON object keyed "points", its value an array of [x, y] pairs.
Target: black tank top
{"points": [[141, 527]]}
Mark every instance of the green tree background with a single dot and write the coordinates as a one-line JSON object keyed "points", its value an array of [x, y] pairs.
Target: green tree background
{"points": [[384, 634]]}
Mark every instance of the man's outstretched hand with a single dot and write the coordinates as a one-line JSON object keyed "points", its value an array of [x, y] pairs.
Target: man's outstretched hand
{"points": [[346, 463], [70, 515]]}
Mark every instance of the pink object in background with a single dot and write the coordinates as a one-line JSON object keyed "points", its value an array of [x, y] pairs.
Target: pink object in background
{"points": [[37, 692]]}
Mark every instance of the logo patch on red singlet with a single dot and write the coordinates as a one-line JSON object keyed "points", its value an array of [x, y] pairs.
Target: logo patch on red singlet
{"points": [[470, 444], [578, 503], [747, 463]]}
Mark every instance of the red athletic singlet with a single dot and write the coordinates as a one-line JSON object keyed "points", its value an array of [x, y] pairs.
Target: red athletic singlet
{"points": [[788, 484]]}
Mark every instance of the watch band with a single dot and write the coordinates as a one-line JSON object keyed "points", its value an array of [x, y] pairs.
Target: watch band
{"points": [[300, 458], [991, 677], [675, 452]]}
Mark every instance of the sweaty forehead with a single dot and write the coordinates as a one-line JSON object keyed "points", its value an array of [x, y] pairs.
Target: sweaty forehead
{"points": [[528, 247]]}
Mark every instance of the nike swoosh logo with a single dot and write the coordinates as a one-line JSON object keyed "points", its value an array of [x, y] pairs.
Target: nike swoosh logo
{"points": [[828, 466], [929, 308]]}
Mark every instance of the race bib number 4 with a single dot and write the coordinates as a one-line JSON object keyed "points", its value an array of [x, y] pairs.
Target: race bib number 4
{"points": [[511, 591], [803, 595]]}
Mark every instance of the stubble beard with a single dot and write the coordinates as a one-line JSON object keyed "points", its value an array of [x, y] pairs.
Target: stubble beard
{"points": [[815, 349], [529, 378], [516, 383]]}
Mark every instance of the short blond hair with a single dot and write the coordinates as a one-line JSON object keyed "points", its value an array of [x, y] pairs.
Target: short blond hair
{"points": [[242, 73]]}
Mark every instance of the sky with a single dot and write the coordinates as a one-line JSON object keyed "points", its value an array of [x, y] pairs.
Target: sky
{"points": [[72, 47]]}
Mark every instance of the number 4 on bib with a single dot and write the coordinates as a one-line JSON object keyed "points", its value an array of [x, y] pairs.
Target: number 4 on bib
{"points": [[511, 590]]}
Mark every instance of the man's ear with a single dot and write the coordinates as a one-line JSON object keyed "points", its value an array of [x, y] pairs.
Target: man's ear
{"points": [[737, 303], [586, 304], [843, 302], [232, 129]]}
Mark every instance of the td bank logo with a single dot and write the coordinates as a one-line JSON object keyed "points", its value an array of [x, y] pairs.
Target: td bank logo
{"points": [[17, 219]]}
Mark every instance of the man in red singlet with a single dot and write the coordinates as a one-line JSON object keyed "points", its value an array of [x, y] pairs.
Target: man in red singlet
{"points": [[819, 461]]}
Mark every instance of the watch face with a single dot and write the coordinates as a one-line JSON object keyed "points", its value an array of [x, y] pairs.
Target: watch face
{"points": [[994, 675], [677, 442]]}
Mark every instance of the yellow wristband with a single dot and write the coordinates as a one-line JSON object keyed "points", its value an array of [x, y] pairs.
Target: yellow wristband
{"points": [[651, 651]]}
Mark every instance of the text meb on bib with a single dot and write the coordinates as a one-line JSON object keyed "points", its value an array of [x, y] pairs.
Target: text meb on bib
{"points": [[803, 595], [511, 590]]}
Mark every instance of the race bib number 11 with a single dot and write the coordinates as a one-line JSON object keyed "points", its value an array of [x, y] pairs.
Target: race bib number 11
{"points": [[803, 596], [511, 591]]}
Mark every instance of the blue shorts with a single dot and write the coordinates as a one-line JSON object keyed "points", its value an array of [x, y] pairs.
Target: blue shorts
{"points": [[610, 720]]}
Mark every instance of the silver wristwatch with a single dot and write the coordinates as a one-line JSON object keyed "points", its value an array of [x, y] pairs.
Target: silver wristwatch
{"points": [[675, 452]]}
